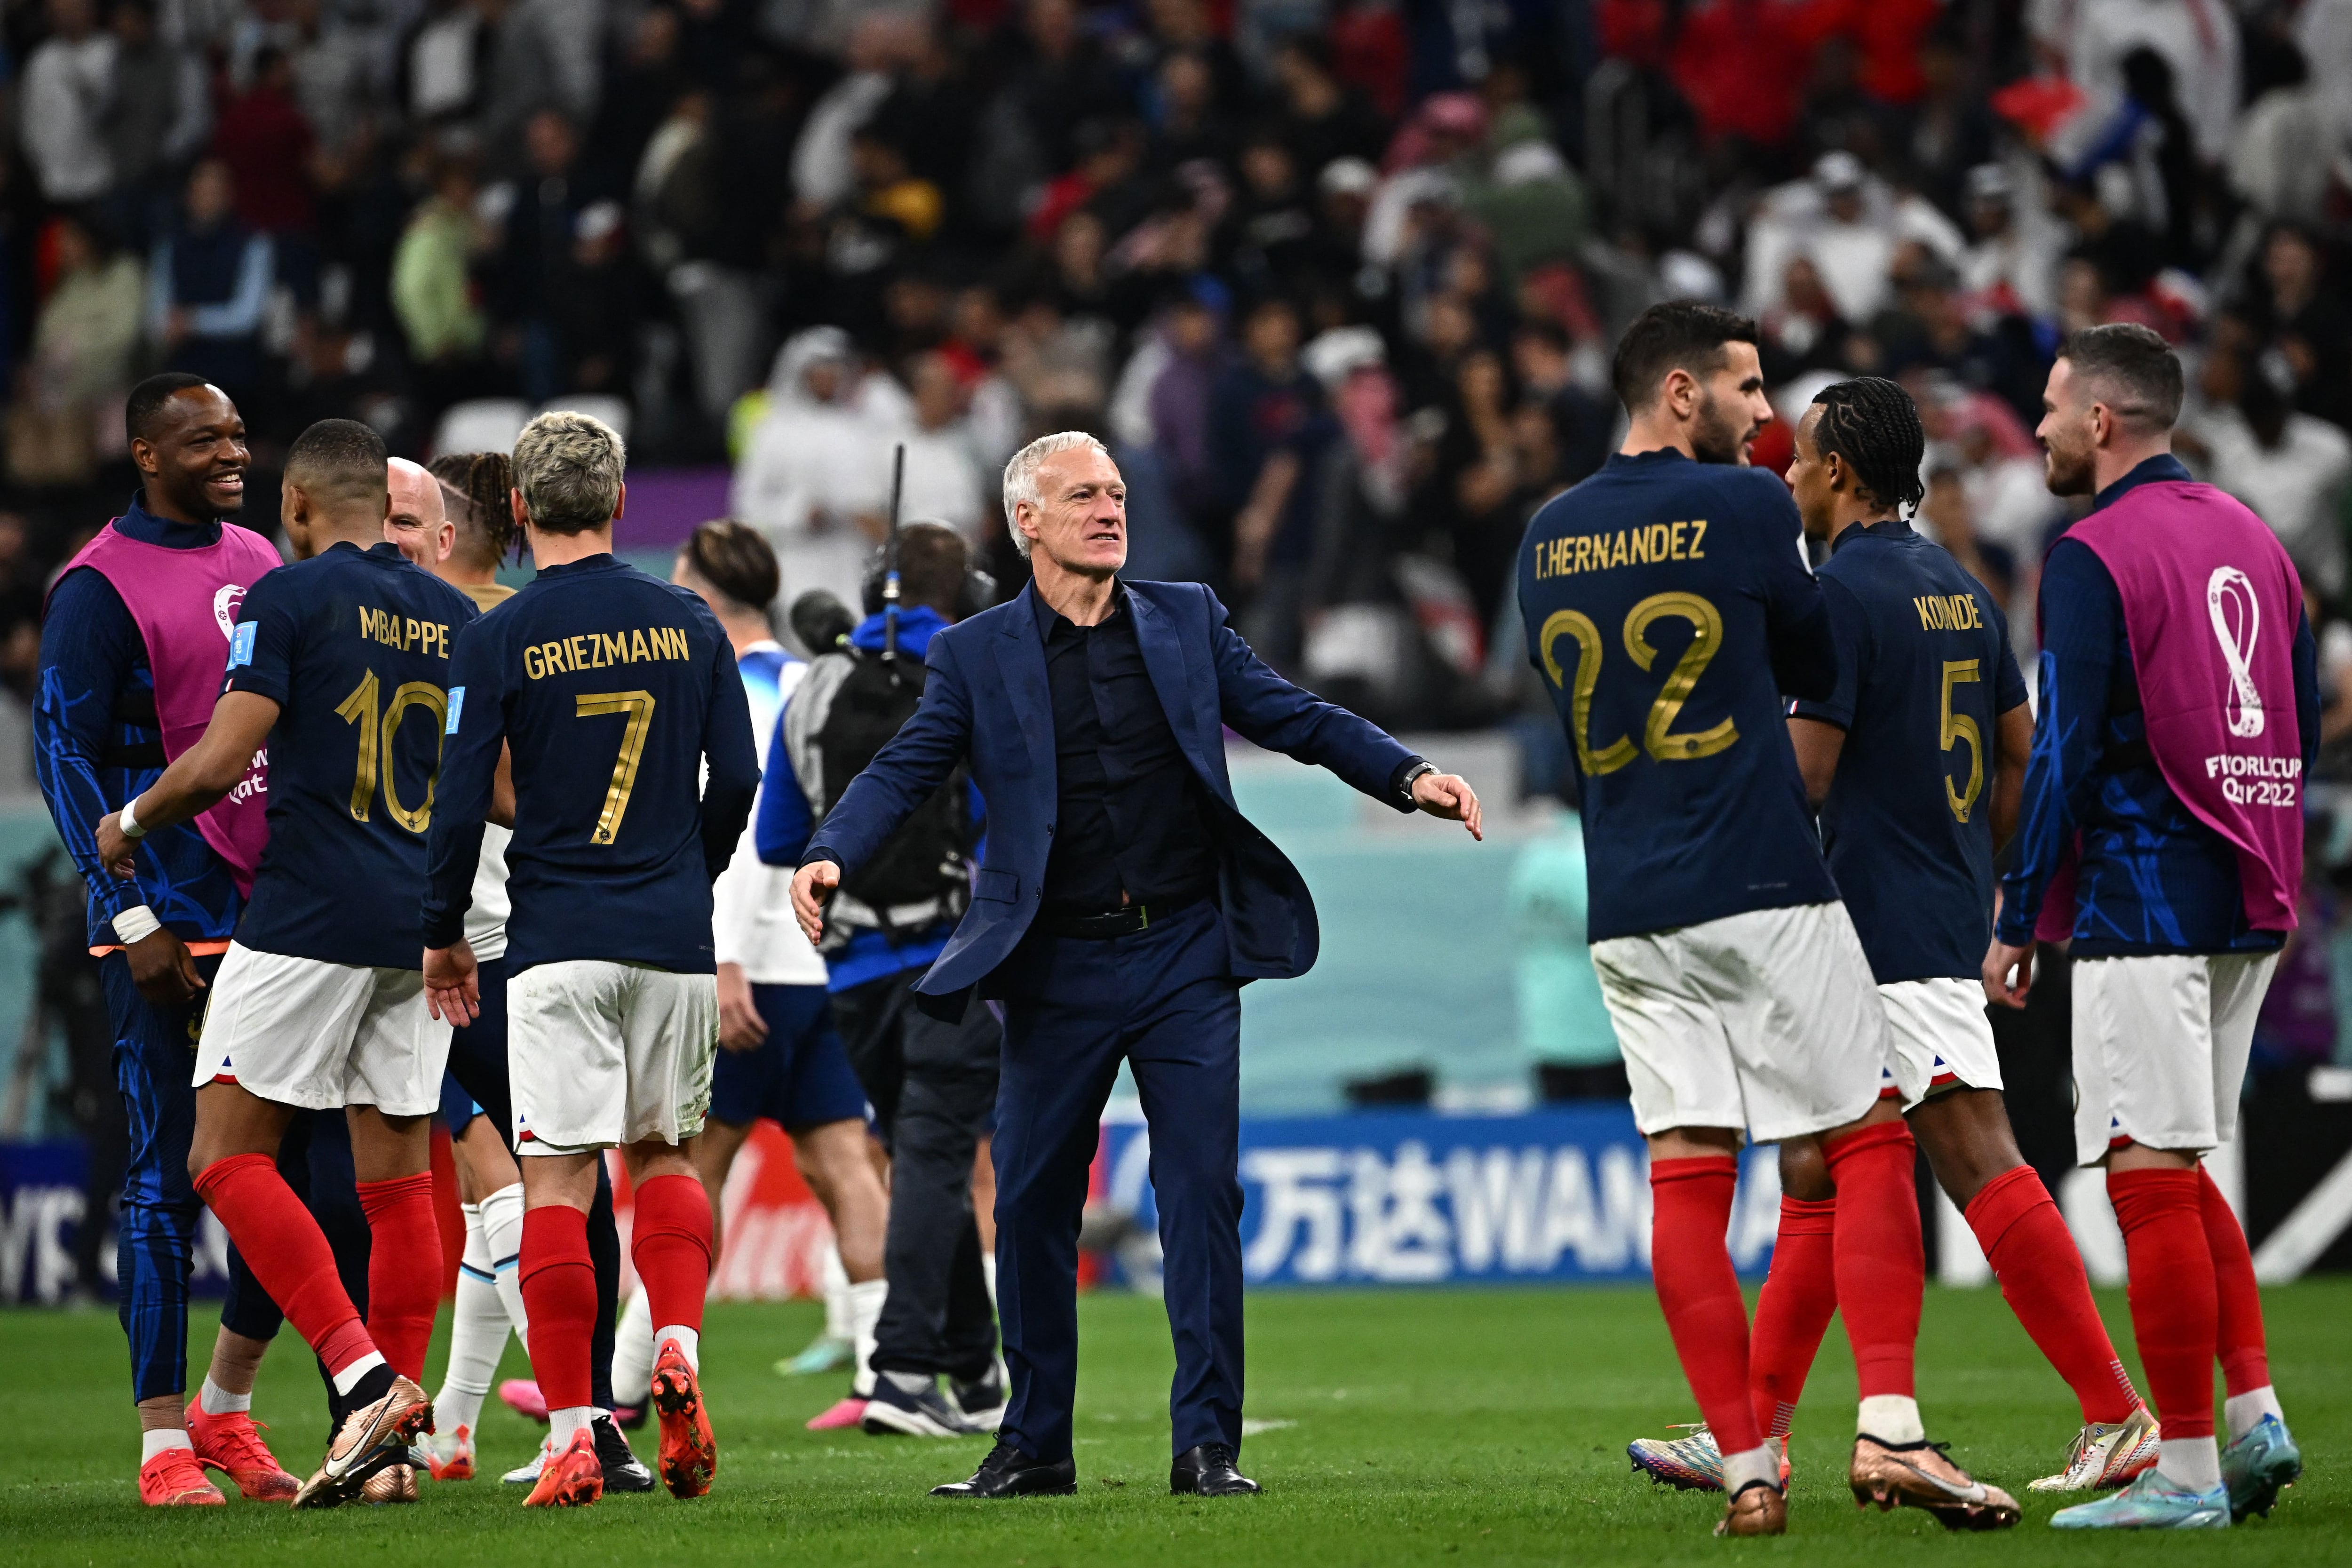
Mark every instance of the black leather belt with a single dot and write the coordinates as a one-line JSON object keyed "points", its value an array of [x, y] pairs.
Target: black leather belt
{"points": [[1124, 920]]}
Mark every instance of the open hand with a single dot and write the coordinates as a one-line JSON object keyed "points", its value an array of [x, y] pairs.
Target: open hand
{"points": [[810, 884], [1449, 795], [114, 850], [453, 983], [2002, 961]]}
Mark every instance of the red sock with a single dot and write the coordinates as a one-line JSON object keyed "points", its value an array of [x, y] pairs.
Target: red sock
{"points": [[1882, 1265], [288, 1254], [669, 1243], [404, 1268], [2176, 1316], [559, 1296], [1792, 1314], [1690, 1211], [2245, 1362], [2033, 1255]]}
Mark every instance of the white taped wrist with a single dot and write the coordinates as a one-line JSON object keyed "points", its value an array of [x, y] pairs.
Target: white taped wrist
{"points": [[136, 923], [130, 823]]}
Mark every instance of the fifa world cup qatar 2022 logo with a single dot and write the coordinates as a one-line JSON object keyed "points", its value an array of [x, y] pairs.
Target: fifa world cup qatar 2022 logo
{"points": [[2237, 622]]}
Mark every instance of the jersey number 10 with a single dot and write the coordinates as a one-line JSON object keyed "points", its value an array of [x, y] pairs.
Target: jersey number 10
{"points": [[1659, 736], [375, 746]]}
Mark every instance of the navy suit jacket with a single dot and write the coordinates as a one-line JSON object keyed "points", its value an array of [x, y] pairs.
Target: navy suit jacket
{"points": [[986, 702]]}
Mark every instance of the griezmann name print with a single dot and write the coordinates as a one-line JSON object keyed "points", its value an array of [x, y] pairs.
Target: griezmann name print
{"points": [[604, 650]]}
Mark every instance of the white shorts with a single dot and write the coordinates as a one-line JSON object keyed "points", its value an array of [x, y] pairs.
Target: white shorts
{"points": [[1938, 1038], [320, 1036], [2161, 1049], [602, 1054], [1767, 1021]]}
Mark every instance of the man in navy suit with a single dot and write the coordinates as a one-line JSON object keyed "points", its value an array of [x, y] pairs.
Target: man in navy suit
{"points": [[1121, 903]]}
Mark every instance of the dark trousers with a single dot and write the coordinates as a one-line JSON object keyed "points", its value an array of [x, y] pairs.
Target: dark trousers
{"points": [[1162, 1000], [160, 1218], [939, 1081], [478, 1060]]}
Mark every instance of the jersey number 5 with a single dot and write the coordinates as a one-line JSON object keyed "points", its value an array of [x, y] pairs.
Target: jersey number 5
{"points": [[1960, 727], [1659, 737], [375, 746], [639, 707]]}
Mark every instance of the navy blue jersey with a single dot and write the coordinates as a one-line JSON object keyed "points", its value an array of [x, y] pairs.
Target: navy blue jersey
{"points": [[353, 646], [1668, 609], [612, 688], [1924, 673]]}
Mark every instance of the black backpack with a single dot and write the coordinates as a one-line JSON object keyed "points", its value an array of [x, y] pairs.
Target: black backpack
{"points": [[921, 876]]}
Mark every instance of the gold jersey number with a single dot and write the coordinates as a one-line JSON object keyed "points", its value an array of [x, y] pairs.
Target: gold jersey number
{"points": [[1663, 742], [376, 737], [639, 707], [1960, 727]]}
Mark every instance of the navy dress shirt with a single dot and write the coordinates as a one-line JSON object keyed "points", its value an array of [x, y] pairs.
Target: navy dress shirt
{"points": [[1127, 812]]}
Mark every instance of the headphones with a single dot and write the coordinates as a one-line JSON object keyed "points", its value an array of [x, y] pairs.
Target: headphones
{"points": [[976, 593]]}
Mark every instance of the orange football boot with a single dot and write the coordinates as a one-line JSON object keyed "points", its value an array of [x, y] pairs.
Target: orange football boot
{"points": [[232, 1445], [689, 1454], [174, 1479], [572, 1478]]}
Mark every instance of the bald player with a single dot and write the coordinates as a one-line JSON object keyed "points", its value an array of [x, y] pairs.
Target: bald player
{"points": [[338, 666]]}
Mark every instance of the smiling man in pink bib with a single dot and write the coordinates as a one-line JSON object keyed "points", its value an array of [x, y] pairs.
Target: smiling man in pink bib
{"points": [[2162, 833]]}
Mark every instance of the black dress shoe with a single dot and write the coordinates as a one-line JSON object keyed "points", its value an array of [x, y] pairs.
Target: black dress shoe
{"points": [[1208, 1471], [1009, 1472]]}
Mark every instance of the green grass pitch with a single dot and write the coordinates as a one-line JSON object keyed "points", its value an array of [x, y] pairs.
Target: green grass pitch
{"points": [[1403, 1428]]}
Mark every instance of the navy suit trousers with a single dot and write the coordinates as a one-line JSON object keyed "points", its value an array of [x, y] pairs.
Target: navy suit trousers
{"points": [[1164, 1001]]}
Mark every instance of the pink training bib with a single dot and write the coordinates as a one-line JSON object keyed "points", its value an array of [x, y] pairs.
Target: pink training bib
{"points": [[184, 602], [2211, 605]]}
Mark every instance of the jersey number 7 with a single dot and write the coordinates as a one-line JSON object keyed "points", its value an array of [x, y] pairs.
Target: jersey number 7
{"points": [[1659, 737], [639, 707], [376, 745]]}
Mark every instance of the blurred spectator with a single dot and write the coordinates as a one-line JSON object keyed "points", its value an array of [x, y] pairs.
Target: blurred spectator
{"points": [[1267, 423], [20, 608], [208, 287], [157, 119], [2292, 468], [1320, 119], [1850, 223], [806, 479], [62, 104], [85, 342], [945, 481], [266, 143], [2303, 321], [2196, 39], [534, 266], [595, 316], [1564, 1027], [2012, 263], [1945, 517], [433, 289]]}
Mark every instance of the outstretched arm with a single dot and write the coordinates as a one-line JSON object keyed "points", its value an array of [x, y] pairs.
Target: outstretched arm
{"points": [[1265, 708], [206, 772]]}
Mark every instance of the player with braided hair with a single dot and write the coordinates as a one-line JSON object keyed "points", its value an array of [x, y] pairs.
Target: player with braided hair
{"points": [[1928, 711]]}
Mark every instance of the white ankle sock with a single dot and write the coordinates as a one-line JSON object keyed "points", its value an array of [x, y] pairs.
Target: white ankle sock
{"points": [[690, 1341], [562, 1424], [865, 1298], [836, 1295], [908, 1381], [1762, 1463], [1891, 1418], [2241, 1411], [215, 1400], [161, 1441], [2192, 1464], [349, 1378], [987, 1272], [634, 1347]]}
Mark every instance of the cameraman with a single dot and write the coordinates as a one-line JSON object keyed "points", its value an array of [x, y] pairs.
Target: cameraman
{"points": [[932, 1084]]}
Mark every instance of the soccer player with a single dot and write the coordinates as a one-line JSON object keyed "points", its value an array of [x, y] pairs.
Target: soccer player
{"points": [[456, 520], [2162, 830], [611, 688], [779, 1056], [338, 665], [103, 721], [1669, 609], [1915, 762]]}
